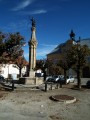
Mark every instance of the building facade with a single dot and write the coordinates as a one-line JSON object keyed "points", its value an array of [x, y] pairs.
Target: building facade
{"points": [[11, 70], [57, 53]]}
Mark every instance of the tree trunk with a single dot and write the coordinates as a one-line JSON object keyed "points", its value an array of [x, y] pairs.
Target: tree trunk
{"points": [[20, 73], [65, 76], [44, 75], [78, 77]]}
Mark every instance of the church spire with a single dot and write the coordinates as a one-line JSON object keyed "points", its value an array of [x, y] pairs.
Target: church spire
{"points": [[72, 35]]}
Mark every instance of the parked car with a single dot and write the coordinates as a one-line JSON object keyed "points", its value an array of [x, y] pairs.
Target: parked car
{"points": [[54, 78], [2, 79], [88, 84], [69, 79], [48, 78], [60, 78]]}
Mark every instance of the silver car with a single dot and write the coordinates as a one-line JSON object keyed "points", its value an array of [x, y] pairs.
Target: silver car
{"points": [[56, 78], [70, 79]]}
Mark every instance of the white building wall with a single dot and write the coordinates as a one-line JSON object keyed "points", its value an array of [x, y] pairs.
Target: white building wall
{"points": [[7, 69]]}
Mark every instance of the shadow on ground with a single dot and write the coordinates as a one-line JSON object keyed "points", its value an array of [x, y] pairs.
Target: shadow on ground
{"points": [[83, 87]]}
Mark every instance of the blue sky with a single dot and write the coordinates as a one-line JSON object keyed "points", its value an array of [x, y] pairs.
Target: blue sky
{"points": [[54, 21]]}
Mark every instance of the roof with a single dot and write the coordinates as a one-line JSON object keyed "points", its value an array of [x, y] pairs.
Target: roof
{"points": [[85, 42], [58, 49]]}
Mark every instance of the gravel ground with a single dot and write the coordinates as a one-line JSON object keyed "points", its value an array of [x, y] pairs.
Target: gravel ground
{"points": [[36, 105]]}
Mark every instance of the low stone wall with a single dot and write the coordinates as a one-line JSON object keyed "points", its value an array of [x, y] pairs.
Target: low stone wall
{"points": [[31, 81], [39, 80]]}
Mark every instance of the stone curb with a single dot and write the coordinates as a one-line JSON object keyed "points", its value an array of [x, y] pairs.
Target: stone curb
{"points": [[64, 101]]}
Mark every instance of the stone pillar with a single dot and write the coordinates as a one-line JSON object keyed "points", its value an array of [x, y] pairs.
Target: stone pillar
{"points": [[31, 79], [32, 51], [34, 65]]}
